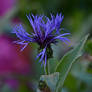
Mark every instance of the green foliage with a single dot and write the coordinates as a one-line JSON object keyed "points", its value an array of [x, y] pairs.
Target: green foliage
{"points": [[6, 88], [85, 77], [88, 47], [71, 83], [23, 88], [66, 62], [52, 64], [51, 80]]}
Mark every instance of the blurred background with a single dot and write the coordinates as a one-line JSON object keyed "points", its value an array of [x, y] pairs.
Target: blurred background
{"points": [[19, 72]]}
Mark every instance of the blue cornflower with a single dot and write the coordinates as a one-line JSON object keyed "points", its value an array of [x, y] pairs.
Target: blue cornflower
{"points": [[45, 32]]}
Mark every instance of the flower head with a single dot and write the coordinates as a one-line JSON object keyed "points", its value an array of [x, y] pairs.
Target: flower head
{"points": [[45, 32]]}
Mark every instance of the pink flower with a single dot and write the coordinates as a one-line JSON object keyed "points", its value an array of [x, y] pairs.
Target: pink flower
{"points": [[11, 60], [5, 6]]}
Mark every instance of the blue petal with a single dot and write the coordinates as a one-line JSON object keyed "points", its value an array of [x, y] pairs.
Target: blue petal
{"points": [[31, 22], [62, 35], [43, 54], [25, 45], [21, 43], [64, 39], [22, 34]]}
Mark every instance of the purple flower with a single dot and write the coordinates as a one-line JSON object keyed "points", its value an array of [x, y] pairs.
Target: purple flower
{"points": [[45, 32]]}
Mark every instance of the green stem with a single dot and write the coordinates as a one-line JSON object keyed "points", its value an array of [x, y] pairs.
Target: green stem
{"points": [[46, 68]]}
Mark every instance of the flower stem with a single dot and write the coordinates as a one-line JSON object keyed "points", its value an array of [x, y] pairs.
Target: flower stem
{"points": [[46, 68]]}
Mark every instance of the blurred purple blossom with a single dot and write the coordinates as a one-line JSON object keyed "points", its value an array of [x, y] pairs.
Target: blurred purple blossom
{"points": [[12, 83]]}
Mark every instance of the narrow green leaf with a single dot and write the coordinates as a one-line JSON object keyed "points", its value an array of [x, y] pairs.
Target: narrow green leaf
{"points": [[66, 62]]}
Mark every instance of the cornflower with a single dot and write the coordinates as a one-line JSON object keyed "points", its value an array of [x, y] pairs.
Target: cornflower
{"points": [[46, 31]]}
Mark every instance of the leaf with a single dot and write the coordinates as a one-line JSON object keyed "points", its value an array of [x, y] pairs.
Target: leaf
{"points": [[66, 62], [52, 63], [51, 81]]}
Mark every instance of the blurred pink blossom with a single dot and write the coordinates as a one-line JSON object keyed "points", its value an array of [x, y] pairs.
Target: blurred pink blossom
{"points": [[11, 60], [5, 6]]}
